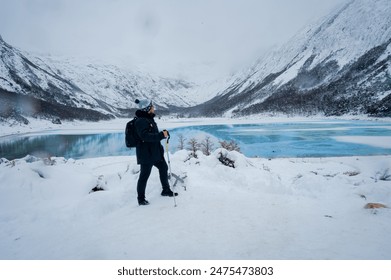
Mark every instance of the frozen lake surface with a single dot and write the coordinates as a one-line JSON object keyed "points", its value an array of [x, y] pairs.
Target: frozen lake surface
{"points": [[269, 140]]}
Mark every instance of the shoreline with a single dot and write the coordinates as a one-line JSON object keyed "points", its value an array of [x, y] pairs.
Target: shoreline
{"points": [[46, 127]]}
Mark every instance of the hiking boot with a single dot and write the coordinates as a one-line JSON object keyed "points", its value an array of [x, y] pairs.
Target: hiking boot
{"points": [[143, 202], [169, 193]]}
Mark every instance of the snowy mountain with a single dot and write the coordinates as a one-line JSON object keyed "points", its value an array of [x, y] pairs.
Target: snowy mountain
{"points": [[65, 88], [339, 65]]}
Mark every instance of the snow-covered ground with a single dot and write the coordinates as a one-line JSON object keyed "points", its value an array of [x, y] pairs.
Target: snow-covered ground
{"points": [[291, 208]]}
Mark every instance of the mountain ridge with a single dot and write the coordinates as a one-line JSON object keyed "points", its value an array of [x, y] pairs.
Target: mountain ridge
{"points": [[322, 63], [79, 90], [339, 65]]}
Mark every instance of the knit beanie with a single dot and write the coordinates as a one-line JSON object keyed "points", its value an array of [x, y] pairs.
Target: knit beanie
{"points": [[144, 104]]}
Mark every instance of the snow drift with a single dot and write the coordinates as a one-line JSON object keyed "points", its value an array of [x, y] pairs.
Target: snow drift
{"points": [[261, 209]]}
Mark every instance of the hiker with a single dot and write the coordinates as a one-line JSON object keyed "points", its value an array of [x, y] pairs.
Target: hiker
{"points": [[149, 150]]}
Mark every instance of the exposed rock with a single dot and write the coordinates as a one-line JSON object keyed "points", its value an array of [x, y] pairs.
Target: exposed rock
{"points": [[374, 205]]}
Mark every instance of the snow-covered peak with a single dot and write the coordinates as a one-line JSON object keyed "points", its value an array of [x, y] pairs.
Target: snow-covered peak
{"points": [[343, 35], [117, 86], [86, 84], [359, 26], [344, 56]]}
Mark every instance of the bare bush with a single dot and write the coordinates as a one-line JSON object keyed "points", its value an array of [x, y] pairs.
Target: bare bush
{"points": [[230, 146], [223, 158], [194, 146], [181, 139], [385, 175], [207, 146]]}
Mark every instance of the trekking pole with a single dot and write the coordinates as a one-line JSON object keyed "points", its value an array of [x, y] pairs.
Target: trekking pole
{"points": [[169, 168]]}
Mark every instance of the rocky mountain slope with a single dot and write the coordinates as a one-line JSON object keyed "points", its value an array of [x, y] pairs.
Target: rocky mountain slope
{"points": [[340, 65], [48, 87]]}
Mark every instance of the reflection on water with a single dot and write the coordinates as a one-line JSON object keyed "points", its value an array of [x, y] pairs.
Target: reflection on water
{"points": [[304, 139], [68, 146]]}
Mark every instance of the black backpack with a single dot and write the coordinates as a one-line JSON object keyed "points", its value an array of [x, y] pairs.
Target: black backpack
{"points": [[131, 137]]}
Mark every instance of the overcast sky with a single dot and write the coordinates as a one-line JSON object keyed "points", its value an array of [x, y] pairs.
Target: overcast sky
{"points": [[194, 38]]}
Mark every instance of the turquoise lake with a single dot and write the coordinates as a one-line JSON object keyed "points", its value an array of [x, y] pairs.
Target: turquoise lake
{"points": [[268, 140]]}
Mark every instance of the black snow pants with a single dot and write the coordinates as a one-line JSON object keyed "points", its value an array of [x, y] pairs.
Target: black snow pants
{"points": [[145, 171]]}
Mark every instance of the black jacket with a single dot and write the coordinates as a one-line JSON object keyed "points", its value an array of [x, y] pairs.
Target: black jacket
{"points": [[149, 150]]}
